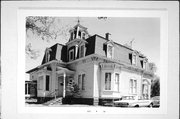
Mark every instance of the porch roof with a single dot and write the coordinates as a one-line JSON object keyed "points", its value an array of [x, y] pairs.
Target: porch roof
{"points": [[62, 70]]}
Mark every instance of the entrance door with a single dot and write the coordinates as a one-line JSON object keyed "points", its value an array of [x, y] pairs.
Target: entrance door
{"points": [[60, 86]]}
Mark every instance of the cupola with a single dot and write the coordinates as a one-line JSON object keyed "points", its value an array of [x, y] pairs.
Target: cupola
{"points": [[78, 32]]}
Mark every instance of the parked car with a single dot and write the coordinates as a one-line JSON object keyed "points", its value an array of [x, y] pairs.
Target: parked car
{"points": [[155, 101], [133, 101]]}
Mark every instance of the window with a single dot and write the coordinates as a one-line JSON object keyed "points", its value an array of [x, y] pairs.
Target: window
{"points": [[107, 81], [83, 36], [47, 82], [134, 59], [75, 34], [117, 82], [144, 65], [71, 54], [27, 88], [79, 34], [83, 81], [109, 51], [40, 83], [71, 36], [79, 81], [133, 86], [81, 51], [32, 77]]}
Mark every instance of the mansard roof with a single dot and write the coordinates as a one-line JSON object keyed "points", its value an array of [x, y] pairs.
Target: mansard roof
{"points": [[58, 52], [96, 44]]}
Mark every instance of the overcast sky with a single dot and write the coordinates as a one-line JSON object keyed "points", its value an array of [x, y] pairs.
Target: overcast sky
{"points": [[144, 31]]}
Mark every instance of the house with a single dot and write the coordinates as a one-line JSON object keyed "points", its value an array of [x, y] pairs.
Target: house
{"points": [[102, 68]]}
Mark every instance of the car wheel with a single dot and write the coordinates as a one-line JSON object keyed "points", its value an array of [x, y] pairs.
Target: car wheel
{"points": [[151, 105], [136, 106]]}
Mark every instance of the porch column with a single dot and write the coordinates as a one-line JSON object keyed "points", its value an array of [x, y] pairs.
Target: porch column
{"points": [[54, 78], [149, 91], [64, 86]]}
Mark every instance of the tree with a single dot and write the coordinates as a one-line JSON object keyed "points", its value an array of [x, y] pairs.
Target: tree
{"points": [[46, 28], [155, 87], [73, 91], [153, 67]]}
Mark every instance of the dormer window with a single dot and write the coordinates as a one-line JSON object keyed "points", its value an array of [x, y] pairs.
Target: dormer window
{"points": [[110, 50], [134, 59], [47, 54], [72, 35], [71, 55], [82, 50], [143, 64]]}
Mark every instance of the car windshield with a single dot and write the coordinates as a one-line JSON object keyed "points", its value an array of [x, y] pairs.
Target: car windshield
{"points": [[128, 98]]}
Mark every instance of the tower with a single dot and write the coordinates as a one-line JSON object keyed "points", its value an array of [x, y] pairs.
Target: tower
{"points": [[76, 45]]}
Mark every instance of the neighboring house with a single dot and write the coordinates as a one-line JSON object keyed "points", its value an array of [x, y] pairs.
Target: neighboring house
{"points": [[102, 68]]}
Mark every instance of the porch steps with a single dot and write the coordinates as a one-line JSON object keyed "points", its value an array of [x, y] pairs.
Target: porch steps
{"points": [[57, 101]]}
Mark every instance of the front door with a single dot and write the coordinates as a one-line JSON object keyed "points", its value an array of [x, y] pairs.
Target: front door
{"points": [[60, 86]]}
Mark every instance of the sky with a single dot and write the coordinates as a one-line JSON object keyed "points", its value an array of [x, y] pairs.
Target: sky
{"points": [[144, 31]]}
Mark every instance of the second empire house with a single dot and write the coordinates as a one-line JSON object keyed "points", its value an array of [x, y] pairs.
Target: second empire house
{"points": [[102, 68]]}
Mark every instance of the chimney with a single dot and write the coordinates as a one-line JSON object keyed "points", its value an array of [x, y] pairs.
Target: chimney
{"points": [[107, 36]]}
